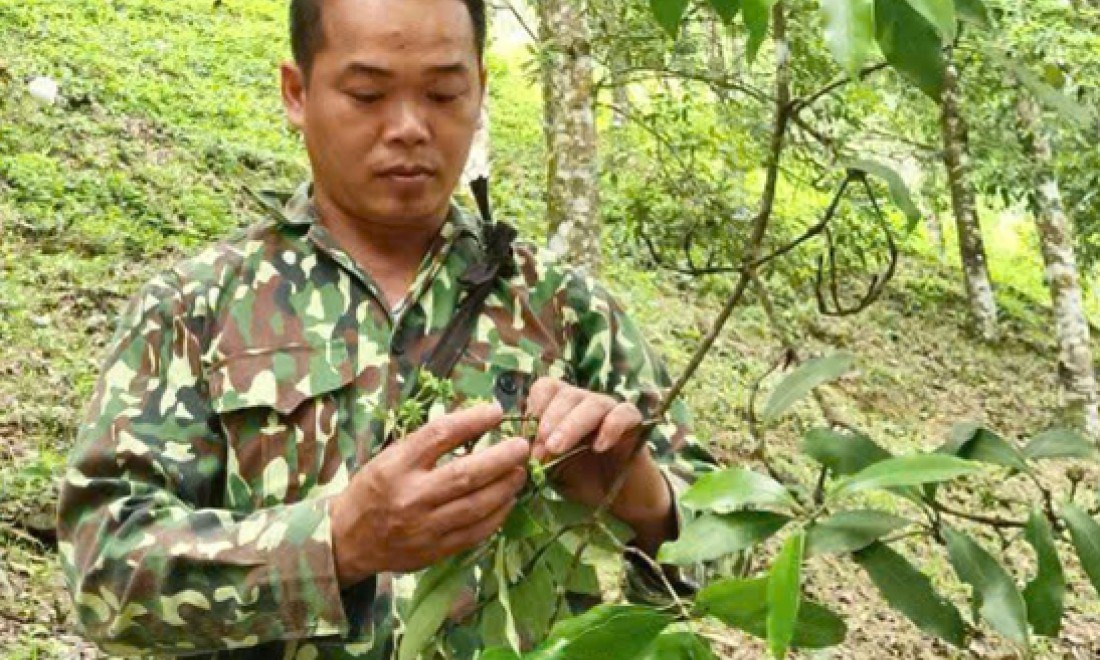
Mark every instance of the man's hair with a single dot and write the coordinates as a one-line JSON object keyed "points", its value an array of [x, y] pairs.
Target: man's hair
{"points": [[307, 34]]}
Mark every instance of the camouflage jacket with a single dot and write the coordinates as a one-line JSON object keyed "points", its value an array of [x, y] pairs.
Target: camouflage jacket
{"points": [[241, 391]]}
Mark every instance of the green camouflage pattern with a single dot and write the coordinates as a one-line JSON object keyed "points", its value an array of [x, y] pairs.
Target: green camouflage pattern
{"points": [[241, 391]]}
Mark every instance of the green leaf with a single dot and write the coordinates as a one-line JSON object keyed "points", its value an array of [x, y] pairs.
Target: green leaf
{"points": [[1053, 98], [1086, 540], [803, 380], [605, 632], [973, 11], [520, 524], [726, 9], [743, 604], [910, 592], [899, 192], [911, 45], [818, 627], [907, 471], [533, 610], [785, 595], [679, 645], [849, 531], [669, 14], [584, 581], [735, 488], [977, 443], [756, 14], [712, 536], [939, 13], [998, 600], [510, 631], [842, 453], [849, 32], [435, 591], [1044, 595], [1060, 443], [564, 513]]}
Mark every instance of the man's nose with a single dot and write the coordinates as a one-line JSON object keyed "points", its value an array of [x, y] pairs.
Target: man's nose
{"points": [[408, 123]]}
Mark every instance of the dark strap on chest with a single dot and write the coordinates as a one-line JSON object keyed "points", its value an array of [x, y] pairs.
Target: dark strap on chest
{"points": [[478, 280]]}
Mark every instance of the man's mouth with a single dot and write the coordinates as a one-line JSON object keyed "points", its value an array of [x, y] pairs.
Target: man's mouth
{"points": [[408, 173]]}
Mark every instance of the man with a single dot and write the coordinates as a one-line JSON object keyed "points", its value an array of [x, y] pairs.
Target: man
{"points": [[233, 490]]}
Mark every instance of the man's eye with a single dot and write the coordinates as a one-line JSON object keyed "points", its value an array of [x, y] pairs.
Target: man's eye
{"points": [[438, 97], [366, 97]]}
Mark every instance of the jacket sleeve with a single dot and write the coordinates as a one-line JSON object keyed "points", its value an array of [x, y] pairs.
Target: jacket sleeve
{"points": [[154, 566]]}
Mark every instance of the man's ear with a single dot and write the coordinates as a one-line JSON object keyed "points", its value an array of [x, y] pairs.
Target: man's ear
{"points": [[293, 84]]}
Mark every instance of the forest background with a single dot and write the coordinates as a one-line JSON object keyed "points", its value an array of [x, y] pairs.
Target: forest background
{"points": [[644, 156]]}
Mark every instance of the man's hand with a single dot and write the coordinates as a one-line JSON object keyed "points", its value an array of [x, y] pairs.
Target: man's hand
{"points": [[570, 416], [401, 513]]}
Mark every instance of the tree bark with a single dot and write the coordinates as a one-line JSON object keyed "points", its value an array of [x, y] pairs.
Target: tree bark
{"points": [[934, 228], [716, 54], [1055, 230], [569, 106], [983, 304]]}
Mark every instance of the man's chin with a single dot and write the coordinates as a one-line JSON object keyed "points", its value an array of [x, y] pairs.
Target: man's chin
{"points": [[407, 212]]}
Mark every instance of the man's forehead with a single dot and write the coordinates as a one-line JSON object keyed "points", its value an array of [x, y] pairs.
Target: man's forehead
{"points": [[400, 26]]}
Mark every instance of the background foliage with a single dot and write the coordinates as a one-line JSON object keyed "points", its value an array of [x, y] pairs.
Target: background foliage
{"points": [[169, 109]]}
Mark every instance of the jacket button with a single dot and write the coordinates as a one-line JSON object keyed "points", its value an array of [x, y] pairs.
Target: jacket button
{"points": [[507, 384]]}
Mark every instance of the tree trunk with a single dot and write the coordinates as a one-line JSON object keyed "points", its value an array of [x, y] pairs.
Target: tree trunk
{"points": [[934, 227], [1055, 229], [979, 288], [573, 168], [716, 54], [620, 91]]}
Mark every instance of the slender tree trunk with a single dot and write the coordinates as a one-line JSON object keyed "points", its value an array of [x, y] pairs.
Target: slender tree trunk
{"points": [[716, 54], [1055, 229], [573, 168], [620, 92], [979, 288], [934, 227]]}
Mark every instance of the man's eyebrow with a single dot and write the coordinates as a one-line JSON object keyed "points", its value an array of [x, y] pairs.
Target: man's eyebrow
{"points": [[380, 72], [444, 69], [368, 69]]}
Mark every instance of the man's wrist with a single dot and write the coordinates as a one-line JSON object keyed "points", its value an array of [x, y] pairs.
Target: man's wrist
{"points": [[348, 572], [647, 505]]}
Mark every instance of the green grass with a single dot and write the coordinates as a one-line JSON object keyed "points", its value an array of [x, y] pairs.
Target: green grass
{"points": [[171, 108]]}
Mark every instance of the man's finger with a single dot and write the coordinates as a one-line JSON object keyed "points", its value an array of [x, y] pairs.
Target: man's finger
{"points": [[467, 537], [564, 401], [581, 420], [541, 394], [467, 510], [442, 435], [464, 475], [623, 420]]}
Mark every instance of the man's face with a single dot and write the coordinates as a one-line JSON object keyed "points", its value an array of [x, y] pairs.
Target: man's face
{"points": [[391, 106]]}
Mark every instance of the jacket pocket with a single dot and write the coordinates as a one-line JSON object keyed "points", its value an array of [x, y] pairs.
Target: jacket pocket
{"points": [[280, 411]]}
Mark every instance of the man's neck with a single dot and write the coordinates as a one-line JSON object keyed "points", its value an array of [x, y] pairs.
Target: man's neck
{"points": [[389, 252]]}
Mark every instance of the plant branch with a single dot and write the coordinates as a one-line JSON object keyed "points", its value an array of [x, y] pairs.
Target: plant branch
{"points": [[806, 101], [993, 521]]}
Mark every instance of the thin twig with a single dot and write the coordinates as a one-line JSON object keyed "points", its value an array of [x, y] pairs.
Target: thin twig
{"points": [[993, 521]]}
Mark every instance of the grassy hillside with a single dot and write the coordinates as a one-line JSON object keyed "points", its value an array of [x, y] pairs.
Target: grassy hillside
{"points": [[169, 109]]}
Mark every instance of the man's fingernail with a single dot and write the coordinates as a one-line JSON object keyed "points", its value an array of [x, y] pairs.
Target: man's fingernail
{"points": [[600, 446], [555, 442]]}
